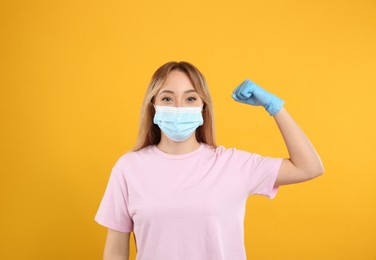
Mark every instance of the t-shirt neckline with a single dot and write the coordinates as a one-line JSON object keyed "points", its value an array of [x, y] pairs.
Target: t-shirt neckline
{"points": [[178, 156]]}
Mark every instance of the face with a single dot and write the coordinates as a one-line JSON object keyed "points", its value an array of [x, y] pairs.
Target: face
{"points": [[177, 91]]}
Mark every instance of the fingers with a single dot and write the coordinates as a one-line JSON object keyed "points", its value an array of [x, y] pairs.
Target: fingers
{"points": [[243, 91], [234, 96], [239, 100]]}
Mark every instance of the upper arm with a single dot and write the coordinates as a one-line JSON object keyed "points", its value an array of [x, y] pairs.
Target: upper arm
{"points": [[289, 174], [117, 245]]}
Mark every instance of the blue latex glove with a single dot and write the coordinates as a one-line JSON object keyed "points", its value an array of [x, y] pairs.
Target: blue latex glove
{"points": [[250, 93]]}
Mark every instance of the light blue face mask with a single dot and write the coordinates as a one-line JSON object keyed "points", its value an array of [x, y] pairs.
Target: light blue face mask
{"points": [[178, 123]]}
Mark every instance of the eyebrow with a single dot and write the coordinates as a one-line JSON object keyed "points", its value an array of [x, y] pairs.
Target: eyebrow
{"points": [[172, 92]]}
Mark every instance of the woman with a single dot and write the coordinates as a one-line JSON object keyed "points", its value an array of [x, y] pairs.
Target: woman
{"points": [[182, 195]]}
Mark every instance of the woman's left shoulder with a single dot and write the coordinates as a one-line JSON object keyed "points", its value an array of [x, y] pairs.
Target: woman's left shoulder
{"points": [[223, 150]]}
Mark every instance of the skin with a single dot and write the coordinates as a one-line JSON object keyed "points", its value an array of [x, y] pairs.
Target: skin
{"points": [[304, 163]]}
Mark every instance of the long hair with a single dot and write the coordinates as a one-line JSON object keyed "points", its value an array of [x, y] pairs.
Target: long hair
{"points": [[149, 133]]}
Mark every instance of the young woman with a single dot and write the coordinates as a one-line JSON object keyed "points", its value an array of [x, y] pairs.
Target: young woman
{"points": [[182, 195]]}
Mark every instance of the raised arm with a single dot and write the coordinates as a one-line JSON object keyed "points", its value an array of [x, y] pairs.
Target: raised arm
{"points": [[304, 162]]}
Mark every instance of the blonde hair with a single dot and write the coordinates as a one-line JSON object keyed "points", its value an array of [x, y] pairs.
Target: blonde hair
{"points": [[149, 133]]}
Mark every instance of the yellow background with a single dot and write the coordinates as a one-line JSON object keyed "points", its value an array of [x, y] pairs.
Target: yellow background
{"points": [[73, 75]]}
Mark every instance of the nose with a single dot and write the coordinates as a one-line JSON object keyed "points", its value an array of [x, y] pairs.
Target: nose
{"points": [[178, 103]]}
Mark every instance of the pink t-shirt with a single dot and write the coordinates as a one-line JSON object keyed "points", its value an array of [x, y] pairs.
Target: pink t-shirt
{"points": [[189, 206]]}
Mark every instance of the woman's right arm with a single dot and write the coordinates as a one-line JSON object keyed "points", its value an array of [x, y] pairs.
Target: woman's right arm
{"points": [[117, 245]]}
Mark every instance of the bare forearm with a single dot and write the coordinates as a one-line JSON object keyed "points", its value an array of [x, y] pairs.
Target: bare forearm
{"points": [[110, 256], [115, 253], [302, 153]]}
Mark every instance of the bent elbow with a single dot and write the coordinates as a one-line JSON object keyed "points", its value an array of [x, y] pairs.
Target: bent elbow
{"points": [[317, 172], [314, 171], [321, 169]]}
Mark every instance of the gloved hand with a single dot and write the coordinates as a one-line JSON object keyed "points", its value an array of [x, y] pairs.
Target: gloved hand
{"points": [[250, 93]]}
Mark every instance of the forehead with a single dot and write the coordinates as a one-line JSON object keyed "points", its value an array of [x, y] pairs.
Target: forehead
{"points": [[177, 81]]}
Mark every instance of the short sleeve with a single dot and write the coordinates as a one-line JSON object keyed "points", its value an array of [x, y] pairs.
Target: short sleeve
{"points": [[259, 173], [113, 209]]}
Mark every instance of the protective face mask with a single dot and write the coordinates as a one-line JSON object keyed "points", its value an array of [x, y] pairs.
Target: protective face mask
{"points": [[178, 123]]}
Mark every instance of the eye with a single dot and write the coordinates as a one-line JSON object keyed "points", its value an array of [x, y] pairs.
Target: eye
{"points": [[166, 99], [191, 99]]}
